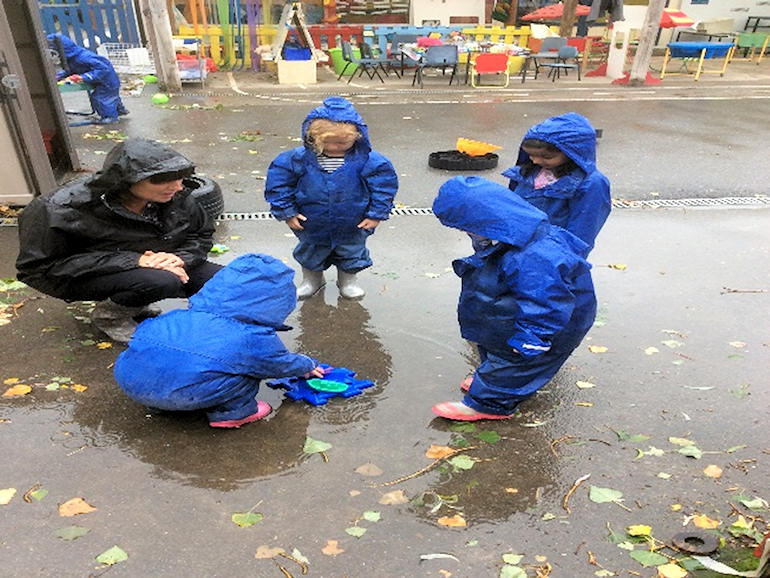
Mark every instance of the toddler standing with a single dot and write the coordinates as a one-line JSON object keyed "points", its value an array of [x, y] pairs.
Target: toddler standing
{"points": [[332, 192]]}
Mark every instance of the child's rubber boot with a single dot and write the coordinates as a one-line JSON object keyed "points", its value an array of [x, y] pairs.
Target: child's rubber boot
{"points": [[116, 321], [349, 288], [263, 408], [458, 411], [312, 282]]}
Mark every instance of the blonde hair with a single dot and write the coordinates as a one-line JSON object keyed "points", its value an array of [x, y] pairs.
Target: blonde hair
{"points": [[321, 129]]}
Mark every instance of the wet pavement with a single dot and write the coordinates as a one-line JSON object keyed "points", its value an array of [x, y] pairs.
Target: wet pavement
{"points": [[683, 313]]}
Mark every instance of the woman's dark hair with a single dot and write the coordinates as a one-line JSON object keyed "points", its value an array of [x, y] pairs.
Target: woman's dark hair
{"points": [[528, 167]]}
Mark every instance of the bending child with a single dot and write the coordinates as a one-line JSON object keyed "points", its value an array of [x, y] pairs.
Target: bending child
{"points": [[556, 172], [332, 192], [213, 355], [527, 297]]}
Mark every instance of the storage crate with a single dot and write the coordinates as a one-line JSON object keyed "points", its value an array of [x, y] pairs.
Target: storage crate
{"points": [[127, 58]]}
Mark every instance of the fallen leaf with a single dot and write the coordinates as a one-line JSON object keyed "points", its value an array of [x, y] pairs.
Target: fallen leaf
{"points": [[315, 446], [738, 344], [264, 552], [680, 441], [11, 381], [713, 471], [511, 491], [246, 519], [651, 350], [445, 573], [491, 437], [672, 343], [112, 556], [394, 498], [618, 266], [462, 462], [74, 507], [671, 570], [332, 548], [598, 349], [456, 521], [71, 532], [513, 559], [356, 531], [372, 516], [7, 495], [354, 493], [17, 390], [369, 469], [647, 558], [438, 556], [639, 530], [664, 476], [584, 404], [603, 495], [509, 571], [103, 345], [78, 387], [585, 384], [691, 452], [704, 522], [675, 507], [437, 452]]}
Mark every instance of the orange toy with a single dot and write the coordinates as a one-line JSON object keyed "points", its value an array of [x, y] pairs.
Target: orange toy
{"points": [[475, 148]]}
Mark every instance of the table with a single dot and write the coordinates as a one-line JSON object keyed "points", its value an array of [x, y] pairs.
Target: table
{"points": [[707, 35], [757, 22], [697, 50]]}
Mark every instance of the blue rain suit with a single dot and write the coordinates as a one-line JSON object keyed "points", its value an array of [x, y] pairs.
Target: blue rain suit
{"points": [[333, 203], [527, 297], [578, 201], [95, 70], [213, 355]]}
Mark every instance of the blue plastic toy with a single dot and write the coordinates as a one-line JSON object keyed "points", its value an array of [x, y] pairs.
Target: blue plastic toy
{"points": [[298, 389]]}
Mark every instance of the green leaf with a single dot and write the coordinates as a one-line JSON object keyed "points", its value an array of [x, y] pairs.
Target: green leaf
{"points": [[315, 446], [246, 519], [735, 449], [512, 559], [372, 516], [491, 437], [52, 387], [463, 427], [647, 558], [11, 285], [603, 573], [112, 556], [38, 495], [755, 504], [509, 571], [626, 546], [627, 437], [356, 531], [462, 462], [691, 452], [298, 555], [71, 532], [461, 442], [602, 495]]}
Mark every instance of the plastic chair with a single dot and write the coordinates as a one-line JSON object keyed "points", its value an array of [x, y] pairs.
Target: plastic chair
{"points": [[549, 50], [384, 63], [487, 63], [395, 47], [749, 42], [443, 57], [565, 53], [367, 65]]}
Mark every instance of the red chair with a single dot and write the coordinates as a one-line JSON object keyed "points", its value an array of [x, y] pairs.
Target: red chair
{"points": [[488, 63]]}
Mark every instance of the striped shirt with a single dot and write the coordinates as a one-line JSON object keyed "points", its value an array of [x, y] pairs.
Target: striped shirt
{"points": [[330, 164]]}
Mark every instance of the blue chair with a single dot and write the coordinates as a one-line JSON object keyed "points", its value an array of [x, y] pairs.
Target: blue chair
{"points": [[443, 56], [367, 65], [384, 63], [565, 53], [549, 50], [395, 48]]}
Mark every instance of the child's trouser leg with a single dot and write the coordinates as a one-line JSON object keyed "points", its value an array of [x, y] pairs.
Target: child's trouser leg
{"points": [[503, 380], [242, 405]]}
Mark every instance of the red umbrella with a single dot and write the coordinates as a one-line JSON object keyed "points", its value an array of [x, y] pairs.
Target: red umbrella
{"points": [[554, 12], [674, 18]]}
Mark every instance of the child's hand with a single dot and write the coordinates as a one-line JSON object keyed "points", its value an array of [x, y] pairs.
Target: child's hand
{"points": [[317, 372], [295, 222], [368, 224]]}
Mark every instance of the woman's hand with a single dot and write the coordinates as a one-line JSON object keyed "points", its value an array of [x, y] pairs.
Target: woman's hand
{"points": [[295, 222], [165, 261], [368, 224]]}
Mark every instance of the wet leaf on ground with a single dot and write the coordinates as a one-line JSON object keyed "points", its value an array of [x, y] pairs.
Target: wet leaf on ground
{"points": [[75, 506], [704, 522], [639, 530], [680, 441], [671, 570], [372, 516], [264, 552], [584, 384], [71, 532], [112, 556], [462, 462], [456, 521], [393, 498], [438, 556], [691, 452], [491, 437], [355, 531], [603, 495], [315, 446], [509, 571], [369, 469], [712, 471], [598, 349], [437, 452], [246, 519], [332, 548], [17, 390], [624, 436], [6, 495], [647, 558]]}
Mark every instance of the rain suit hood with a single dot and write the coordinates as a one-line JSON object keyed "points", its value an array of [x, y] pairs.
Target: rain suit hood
{"points": [[482, 207], [134, 160], [338, 109], [57, 40], [572, 134], [255, 289]]}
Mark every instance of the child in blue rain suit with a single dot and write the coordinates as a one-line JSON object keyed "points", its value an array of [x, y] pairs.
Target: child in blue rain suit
{"points": [[527, 297], [332, 192], [213, 355], [556, 172], [94, 70]]}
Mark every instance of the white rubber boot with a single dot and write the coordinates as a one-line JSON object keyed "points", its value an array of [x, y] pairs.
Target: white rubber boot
{"points": [[117, 321], [312, 282], [349, 288]]}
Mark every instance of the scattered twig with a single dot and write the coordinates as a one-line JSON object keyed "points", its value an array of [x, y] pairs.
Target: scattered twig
{"points": [[558, 441], [683, 355], [606, 443], [293, 559], [731, 290], [565, 501], [283, 569], [324, 457], [28, 493], [424, 470]]}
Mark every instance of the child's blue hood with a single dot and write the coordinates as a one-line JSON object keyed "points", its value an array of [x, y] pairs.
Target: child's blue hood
{"points": [[482, 207], [338, 109], [572, 134], [69, 47], [254, 288]]}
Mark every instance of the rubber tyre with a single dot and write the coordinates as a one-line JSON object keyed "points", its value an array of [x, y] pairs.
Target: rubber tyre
{"points": [[457, 161], [207, 192]]}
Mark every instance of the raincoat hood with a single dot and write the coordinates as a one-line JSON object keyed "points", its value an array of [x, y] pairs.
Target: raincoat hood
{"points": [[134, 160], [69, 47], [338, 109], [482, 207], [572, 134], [254, 288]]}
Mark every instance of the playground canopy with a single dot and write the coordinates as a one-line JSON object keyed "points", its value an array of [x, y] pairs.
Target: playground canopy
{"points": [[554, 12], [675, 18]]}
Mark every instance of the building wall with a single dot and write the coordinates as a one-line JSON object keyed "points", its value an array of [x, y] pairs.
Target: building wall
{"points": [[717, 9], [443, 10]]}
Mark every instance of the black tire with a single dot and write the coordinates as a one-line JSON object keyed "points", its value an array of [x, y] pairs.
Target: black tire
{"points": [[207, 192], [457, 161]]}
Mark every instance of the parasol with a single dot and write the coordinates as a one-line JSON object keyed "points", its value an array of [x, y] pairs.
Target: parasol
{"points": [[674, 18], [554, 12]]}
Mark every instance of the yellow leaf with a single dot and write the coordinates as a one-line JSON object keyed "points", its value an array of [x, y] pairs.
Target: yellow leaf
{"points": [[78, 387], [618, 266], [7, 495], [435, 452], [713, 471], [598, 349], [11, 381], [651, 351], [74, 507], [511, 491], [394, 498], [17, 390], [103, 345], [738, 344], [671, 570], [585, 384], [741, 522], [456, 521], [354, 493], [541, 559], [639, 530], [584, 404], [267, 552], [675, 507], [445, 573], [704, 522], [332, 548], [681, 441]]}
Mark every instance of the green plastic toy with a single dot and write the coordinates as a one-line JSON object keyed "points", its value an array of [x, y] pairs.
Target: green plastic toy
{"points": [[327, 385]]}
